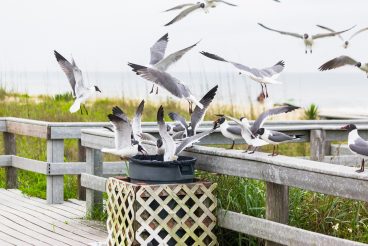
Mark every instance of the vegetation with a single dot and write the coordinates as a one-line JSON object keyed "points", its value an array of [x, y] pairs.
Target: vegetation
{"points": [[308, 210], [311, 113]]}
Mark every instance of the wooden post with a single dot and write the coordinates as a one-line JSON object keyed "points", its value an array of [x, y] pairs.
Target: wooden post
{"points": [[94, 167], [55, 184], [277, 205], [319, 147], [81, 192], [10, 172]]}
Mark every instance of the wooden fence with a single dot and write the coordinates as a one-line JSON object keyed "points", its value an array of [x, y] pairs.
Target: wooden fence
{"points": [[278, 172]]}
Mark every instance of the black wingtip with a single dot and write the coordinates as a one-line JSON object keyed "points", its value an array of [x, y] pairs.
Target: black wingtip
{"points": [[212, 56], [210, 94], [281, 63], [160, 114], [116, 110], [172, 116], [140, 107], [58, 56], [164, 38], [136, 67], [113, 117]]}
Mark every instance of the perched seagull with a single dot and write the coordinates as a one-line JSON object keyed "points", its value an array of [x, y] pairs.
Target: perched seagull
{"points": [[165, 80], [124, 147], [158, 60], [175, 128], [263, 76], [81, 93], [342, 61], [275, 138], [249, 133], [198, 114], [172, 150], [356, 144], [346, 42], [231, 132], [308, 39], [191, 7]]}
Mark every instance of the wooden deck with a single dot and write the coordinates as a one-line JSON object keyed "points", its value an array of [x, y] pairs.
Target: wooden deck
{"points": [[31, 221]]}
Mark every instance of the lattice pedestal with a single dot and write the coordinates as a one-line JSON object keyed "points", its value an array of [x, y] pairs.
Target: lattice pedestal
{"points": [[165, 214]]}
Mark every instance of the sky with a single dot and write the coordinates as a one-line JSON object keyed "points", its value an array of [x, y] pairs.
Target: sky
{"points": [[105, 35]]}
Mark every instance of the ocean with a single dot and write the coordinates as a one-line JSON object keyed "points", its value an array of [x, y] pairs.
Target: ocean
{"points": [[328, 90]]}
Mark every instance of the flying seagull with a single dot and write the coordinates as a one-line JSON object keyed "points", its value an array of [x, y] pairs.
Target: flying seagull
{"points": [[158, 60], [168, 82], [346, 42], [172, 150], [356, 144], [308, 39], [263, 76], [198, 114], [80, 92], [275, 138], [249, 133], [125, 148], [191, 7], [230, 132], [342, 61]]}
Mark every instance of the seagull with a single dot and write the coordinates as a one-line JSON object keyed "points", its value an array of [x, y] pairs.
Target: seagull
{"points": [[308, 39], [342, 61], [165, 80], [249, 133], [275, 138], [356, 144], [80, 92], [346, 42], [231, 132], [191, 7], [125, 148], [198, 114], [158, 60], [172, 150], [263, 76]]}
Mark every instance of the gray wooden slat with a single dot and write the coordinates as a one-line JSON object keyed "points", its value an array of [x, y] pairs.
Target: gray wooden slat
{"points": [[5, 160], [55, 184], [19, 238], [63, 225], [6, 240], [93, 182], [78, 202], [29, 164], [74, 168], [26, 127], [277, 232]]}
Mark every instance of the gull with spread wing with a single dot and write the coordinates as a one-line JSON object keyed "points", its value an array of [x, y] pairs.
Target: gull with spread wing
{"points": [[198, 114], [263, 76], [158, 60], [346, 42], [81, 93], [343, 61], [168, 82], [172, 150], [191, 7], [249, 133], [307, 38]]}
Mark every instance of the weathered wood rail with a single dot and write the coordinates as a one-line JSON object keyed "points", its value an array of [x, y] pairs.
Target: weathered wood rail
{"points": [[279, 172]]}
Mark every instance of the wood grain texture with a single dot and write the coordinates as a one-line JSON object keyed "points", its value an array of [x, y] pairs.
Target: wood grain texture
{"points": [[11, 178]]}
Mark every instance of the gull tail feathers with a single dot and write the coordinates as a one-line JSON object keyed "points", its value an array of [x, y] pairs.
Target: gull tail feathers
{"points": [[273, 81], [75, 107]]}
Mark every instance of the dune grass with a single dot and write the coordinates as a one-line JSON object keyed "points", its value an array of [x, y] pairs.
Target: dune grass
{"points": [[308, 210]]}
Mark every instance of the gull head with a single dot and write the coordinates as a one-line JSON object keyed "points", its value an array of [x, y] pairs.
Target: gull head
{"points": [[349, 127], [359, 64], [97, 89], [141, 150], [346, 44], [260, 131], [220, 120], [244, 121], [305, 36], [159, 143]]}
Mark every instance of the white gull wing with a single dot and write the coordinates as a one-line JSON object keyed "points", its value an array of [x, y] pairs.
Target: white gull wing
{"points": [[180, 6], [296, 35], [331, 30], [221, 1], [122, 130], [179, 119], [198, 113], [191, 140], [329, 34], [338, 62], [269, 72], [136, 122], [67, 67], [165, 63], [168, 141], [158, 49], [242, 126], [80, 89], [356, 33], [258, 123], [185, 12]]}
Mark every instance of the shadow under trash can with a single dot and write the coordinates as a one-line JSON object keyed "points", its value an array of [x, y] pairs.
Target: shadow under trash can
{"points": [[161, 214]]}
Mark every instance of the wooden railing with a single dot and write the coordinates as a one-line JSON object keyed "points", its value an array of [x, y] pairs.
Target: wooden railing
{"points": [[278, 172]]}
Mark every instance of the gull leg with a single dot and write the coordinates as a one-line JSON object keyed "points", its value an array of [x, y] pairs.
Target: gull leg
{"points": [[263, 94], [277, 150], [156, 90], [85, 109], [361, 167], [273, 151], [232, 146], [310, 50], [248, 149], [190, 108], [81, 110], [153, 86], [254, 150], [266, 90]]}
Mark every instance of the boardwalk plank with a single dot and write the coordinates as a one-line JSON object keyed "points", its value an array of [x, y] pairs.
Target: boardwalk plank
{"points": [[20, 238], [6, 240]]}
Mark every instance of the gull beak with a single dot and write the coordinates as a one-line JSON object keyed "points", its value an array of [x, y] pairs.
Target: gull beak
{"points": [[240, 73], [344, 127]]}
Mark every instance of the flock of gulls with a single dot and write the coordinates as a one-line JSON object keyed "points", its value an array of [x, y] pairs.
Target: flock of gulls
{"points": [[180, 134]]}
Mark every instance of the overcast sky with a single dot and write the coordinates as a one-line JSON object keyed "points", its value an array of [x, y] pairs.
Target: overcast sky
{"points": [[105, 35]]}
